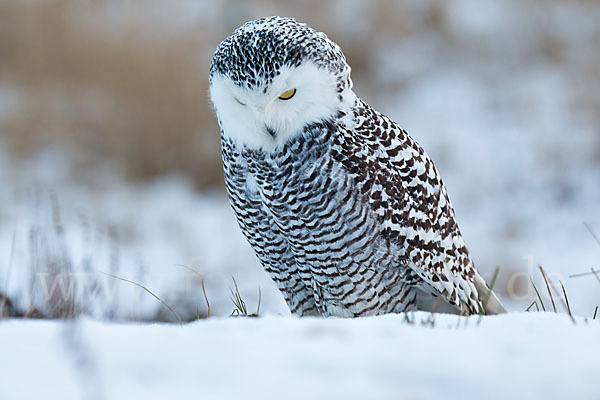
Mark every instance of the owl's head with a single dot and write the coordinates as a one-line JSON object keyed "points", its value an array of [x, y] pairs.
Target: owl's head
{"points": [[273, 77]]}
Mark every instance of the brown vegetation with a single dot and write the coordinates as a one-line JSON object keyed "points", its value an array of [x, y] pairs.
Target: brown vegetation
{"points": [[118, 92], [126, 84]]}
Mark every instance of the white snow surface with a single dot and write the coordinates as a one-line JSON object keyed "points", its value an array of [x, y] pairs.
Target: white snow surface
{"points": [[503, 122], [519, 355]]}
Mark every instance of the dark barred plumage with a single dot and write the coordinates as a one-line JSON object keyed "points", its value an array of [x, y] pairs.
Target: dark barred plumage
{"points": [[349, 216]]}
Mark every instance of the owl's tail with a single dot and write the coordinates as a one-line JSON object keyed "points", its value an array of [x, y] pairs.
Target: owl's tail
{"points": [[491, 303]]}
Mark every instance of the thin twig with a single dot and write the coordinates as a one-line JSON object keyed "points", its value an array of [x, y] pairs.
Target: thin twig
{"points": [[548, 287], [148, 290], [595, 312]]}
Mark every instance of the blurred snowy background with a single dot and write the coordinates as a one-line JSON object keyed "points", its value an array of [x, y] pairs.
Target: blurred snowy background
{"points": [[110, 159]]}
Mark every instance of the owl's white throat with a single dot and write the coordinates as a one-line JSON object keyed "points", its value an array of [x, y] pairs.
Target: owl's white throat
{"points": [[259, 119]]}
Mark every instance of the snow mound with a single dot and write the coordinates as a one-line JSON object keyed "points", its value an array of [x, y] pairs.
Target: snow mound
{"points": [[416, 356]]}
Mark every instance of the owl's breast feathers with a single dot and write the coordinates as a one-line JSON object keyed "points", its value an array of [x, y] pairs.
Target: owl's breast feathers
{"points": [[354, 199]]}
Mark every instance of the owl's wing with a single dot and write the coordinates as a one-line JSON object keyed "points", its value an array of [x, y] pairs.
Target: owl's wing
{"points": [[407, 194]]}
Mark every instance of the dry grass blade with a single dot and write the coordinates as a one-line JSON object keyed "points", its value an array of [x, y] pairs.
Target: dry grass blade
{"points": [[566, 298], [240, 309], [429, 321], [149, 291], [592, 233], [548, 287], [5, 300], [538, 294], [463, 315], [238, 302], [532, 304], [488, 295], [206, 298], [595, 272], [6, 307], [192, 270], [567, 301], [259, 300], [580, 274]]}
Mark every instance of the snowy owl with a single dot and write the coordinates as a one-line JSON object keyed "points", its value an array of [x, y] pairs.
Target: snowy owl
{"points": [[344, 210]]}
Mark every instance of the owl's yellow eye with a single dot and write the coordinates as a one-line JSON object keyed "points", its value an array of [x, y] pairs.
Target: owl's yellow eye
{"points": [[288, 94]]}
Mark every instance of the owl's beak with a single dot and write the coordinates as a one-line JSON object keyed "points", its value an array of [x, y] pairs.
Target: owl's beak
{"points": [[271, 131]]}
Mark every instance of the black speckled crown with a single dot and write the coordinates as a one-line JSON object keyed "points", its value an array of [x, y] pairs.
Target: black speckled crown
{"points": [[253, 54]]}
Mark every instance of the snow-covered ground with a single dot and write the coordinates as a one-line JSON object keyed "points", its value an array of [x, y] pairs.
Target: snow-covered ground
{"points": [[521, 355], [505, 121]]}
